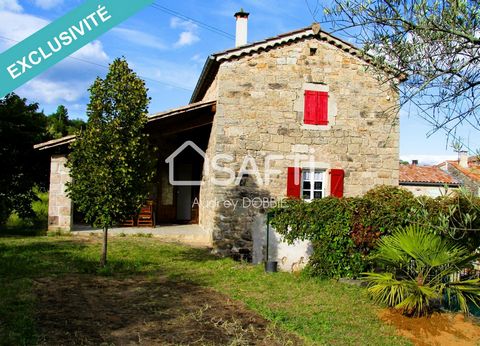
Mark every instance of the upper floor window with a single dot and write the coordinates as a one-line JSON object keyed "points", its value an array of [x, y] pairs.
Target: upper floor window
{"points": [[316, 107]]}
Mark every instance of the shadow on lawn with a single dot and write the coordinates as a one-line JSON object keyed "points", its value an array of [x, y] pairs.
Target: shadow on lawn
{"points": [[198, 255], [39, 258], [46, 258]]}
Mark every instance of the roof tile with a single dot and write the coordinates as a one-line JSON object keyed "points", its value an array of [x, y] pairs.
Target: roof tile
{"points": [[424, 174]]}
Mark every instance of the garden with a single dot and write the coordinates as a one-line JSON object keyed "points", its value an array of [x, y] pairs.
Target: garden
{"points": [[416, 254]]}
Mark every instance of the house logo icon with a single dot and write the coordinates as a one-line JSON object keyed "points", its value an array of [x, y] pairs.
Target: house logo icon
{"points": [[171, 165]]}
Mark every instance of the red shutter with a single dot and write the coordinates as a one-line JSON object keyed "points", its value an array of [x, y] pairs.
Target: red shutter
{"points": [[309, 115], [294, 179], [316, 108], [322, 108], [336, 182]]}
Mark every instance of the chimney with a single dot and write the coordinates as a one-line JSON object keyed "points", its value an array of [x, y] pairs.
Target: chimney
{"points": [[415, 162], [242, 28], [463, 158]]}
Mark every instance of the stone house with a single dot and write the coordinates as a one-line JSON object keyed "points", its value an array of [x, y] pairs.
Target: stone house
{"points": [[301, 115], [466, 170], [426, 180]]}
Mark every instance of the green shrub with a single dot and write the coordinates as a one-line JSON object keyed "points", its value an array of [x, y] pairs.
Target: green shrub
{"points": [[30, 225], [455, 216], [347, 229], [335, 254], [327, 223]]}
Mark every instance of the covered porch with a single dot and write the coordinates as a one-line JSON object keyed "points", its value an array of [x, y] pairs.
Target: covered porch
{"points": [[181, 136]]}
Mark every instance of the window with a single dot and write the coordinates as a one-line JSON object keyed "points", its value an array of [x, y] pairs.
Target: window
{"points": [[315, 107], [312, 184]]}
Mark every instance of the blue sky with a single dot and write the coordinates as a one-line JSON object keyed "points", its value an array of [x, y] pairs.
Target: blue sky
{"points": [[169, 52]]}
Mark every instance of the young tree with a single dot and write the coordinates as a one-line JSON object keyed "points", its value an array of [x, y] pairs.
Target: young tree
{"points": [[112, 163], [21, 126], [436, 43]]}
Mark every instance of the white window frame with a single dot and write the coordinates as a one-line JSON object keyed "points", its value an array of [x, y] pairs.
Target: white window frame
{"points": [[312, 183]]}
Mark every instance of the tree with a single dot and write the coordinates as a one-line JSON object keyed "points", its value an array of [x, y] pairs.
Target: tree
{"points": [[59, 125], [436, 43], [111, 162], [21, 126], [58, 122]]}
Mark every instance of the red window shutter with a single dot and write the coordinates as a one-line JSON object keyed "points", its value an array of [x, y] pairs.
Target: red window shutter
{"points": [[322, 108], [309, 115], [294, 179], [316, 108], [336, 182]]}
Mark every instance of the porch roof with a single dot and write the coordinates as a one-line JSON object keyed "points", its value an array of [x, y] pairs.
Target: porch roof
{"points": [[55, 143], [181, 110], [201, 114]]}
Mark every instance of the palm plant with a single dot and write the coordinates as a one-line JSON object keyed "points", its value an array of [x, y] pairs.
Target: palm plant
{"points": [[421, 269]]}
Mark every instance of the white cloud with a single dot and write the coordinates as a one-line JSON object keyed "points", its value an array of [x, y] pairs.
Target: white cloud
{"points": [[18, 26], [48, 4], [189, 34], [140, 38], [10, 5], [424, 159], [92, 52], [186, 38], [50, 91]]}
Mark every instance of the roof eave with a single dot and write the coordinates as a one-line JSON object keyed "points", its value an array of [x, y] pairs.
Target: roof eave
{"points": [[426, 183], [207, 68], [55, 143]]}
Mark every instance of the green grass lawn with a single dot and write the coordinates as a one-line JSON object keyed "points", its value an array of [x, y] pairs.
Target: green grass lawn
{"points": [[322, 312]]}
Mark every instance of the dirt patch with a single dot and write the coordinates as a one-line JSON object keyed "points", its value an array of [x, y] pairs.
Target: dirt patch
{"points": [[86, 310], [439, 329]]}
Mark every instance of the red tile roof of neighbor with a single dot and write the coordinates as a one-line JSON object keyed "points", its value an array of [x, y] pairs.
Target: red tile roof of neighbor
{"points": [[473, 170], [425, 174]]}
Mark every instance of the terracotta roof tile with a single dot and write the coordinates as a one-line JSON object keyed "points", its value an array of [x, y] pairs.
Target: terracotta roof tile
{"points": [[425, 174], [473, 170]]}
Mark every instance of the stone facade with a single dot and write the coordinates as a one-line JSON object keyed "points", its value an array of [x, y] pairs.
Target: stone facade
{"points": [[60, 209], [260, 112]]}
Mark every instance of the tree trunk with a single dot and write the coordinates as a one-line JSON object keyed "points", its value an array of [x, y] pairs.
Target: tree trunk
{"points": [[103, 259]]}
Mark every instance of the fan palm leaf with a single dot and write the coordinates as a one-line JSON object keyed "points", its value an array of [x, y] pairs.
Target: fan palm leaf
{"points": [[422, 265]]}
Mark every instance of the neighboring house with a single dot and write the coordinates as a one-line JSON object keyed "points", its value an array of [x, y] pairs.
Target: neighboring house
{"points": [[304, 94], [426, 180], [466, 170]]}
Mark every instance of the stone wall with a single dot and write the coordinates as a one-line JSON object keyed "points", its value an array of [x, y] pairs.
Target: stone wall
{"points": [[260, 112], [431, 191], [60, 209]]}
